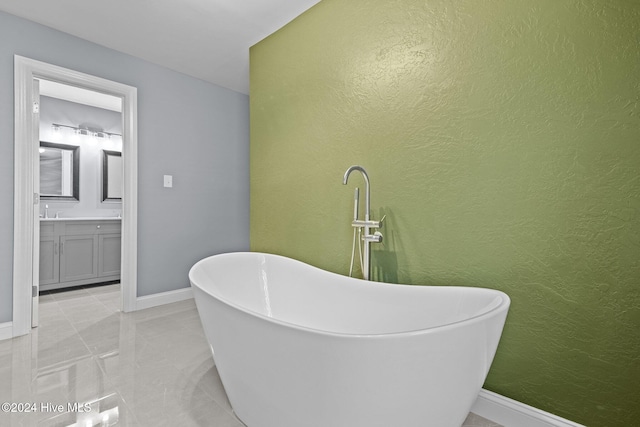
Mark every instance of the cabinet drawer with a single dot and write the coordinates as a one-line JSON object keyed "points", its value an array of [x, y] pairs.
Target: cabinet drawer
{"points": [[109, 227], [91, 227]]}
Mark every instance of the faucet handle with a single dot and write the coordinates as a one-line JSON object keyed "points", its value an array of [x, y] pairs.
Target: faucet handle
{"points": [[373, 238]]}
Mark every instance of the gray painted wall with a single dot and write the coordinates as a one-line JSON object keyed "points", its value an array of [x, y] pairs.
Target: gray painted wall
{"points": [[196, 131]]}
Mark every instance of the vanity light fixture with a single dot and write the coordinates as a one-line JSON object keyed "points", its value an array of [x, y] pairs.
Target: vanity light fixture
{"points": [[95, 133], [56, 132]]}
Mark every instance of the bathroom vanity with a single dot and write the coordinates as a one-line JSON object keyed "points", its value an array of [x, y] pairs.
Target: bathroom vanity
{"points": [[78, 251]]}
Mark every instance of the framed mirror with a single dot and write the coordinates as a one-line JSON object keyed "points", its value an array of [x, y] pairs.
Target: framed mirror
{"points": [[59, 171], [111, 175]]}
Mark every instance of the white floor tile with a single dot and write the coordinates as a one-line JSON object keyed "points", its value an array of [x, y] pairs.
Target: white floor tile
{"points": [[147, 368]]}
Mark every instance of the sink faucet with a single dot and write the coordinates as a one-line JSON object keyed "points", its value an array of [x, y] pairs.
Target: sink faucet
{"points": [[367, 224]]}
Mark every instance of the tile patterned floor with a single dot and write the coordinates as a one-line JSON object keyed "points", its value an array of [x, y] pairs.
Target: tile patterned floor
{"points": [[148, 368]]}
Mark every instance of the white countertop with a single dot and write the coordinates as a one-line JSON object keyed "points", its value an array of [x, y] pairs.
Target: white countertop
{"points": [[86, 218]]}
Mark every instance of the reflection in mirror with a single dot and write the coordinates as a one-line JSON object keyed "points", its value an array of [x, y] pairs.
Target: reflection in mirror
{"points": [[111, 175], [59, 171]]}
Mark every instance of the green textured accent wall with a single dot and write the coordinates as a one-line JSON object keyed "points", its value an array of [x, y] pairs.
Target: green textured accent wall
{"points": [[502, 139]]}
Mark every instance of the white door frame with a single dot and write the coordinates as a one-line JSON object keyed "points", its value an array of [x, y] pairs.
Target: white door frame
{"points": [[25, 227]]}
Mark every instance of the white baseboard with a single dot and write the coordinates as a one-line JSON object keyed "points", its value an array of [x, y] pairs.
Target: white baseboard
{"points": [[6, 330], [162, 298], [511, 413]]}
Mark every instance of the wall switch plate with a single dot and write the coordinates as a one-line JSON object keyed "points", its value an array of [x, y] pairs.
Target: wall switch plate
{"points": [[168, 181]]}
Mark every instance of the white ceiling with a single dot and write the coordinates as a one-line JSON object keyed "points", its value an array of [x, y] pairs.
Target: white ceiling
{"points": [[206, 39]]}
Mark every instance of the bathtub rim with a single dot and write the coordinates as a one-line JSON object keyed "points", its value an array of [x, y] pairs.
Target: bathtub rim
{"points": [[502, 306]]}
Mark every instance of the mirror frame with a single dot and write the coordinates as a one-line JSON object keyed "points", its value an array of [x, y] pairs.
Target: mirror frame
{"points": [[76, 171], [105, 174]]}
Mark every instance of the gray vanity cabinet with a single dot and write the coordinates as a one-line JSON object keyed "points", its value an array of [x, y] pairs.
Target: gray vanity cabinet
{"points": [[78, 252]]}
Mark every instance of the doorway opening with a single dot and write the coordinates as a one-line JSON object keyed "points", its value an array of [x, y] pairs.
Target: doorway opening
{"points": [[27, 198], [80, 134]]}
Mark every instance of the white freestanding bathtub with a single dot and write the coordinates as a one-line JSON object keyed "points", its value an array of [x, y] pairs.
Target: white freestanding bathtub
{"points": [[297, 346]]}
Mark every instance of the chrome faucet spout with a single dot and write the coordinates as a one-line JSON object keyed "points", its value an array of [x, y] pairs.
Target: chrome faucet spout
{"points": [[367, 191]]}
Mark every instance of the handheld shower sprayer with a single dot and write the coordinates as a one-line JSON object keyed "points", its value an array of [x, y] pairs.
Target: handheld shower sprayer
{"points": [[356, 201], [356, 233]]}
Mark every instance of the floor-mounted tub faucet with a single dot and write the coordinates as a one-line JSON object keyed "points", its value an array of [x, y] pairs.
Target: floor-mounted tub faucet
{"points": [[367, 224]]}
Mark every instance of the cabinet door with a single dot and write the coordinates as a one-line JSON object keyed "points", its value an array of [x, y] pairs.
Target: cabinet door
{"points": [[49, 260], [109, 263], [78, 257]]}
